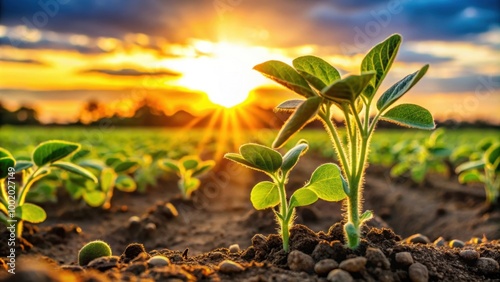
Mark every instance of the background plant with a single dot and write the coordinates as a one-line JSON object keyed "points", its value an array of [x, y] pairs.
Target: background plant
{"points": [[188, 169], [326, 182], [45, 158], [321, 85]]}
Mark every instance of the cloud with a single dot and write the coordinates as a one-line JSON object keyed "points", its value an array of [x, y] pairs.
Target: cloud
{"points": [[408, 56], [132, 72], [23, 61], [47, 44]]}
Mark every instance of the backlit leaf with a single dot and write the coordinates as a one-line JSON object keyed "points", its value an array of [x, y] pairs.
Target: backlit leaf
{"points": [[291, 158], [410, 115], [302, 197], [5, 164], [31, 213], [125, 183], [347, 90], [327, 183], [51, 151], [316, 71], [264, 195], [75, 169], [261, 157]]}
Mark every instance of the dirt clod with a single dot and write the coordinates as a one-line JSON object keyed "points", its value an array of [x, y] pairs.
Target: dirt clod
{"points": [[104, 263], [376, 257], [229, 266], [418, 239], [339, 275], [159, 261], [404, 259], [132, 251], [299, 261], [487, 265], [418, 272], [323, 267], [469, 255], [322, 251], [353, 264]]}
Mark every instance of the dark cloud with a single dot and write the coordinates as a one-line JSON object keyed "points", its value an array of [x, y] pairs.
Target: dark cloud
{"points": [[460, 84], [132, 72], [46, 44], [23, 61], [414, 57]]}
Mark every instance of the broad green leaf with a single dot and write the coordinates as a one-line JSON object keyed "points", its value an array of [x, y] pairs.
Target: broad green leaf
{"points": [[326, 182], [440, 151], [410, 115], [347, 90], [418, 172], [286, 76], [492, 156], [379, 59], [107, 179], [125, 166], [203, 168], [399, 169], [289, 105], [22, 165], [112, 161], [302, 197], [469, 176], [261, 157], [479, 164], [95, 164], [264, 195], [4, 153], [125, 183], [239, 159], [31, 213], [94, 198], [80, 154], [316, 71], [189, 162], [75, 169], [291, 158], [5, 164], [485, 144], [302, 115], [51, 151], [397, 90], [170, 165]]}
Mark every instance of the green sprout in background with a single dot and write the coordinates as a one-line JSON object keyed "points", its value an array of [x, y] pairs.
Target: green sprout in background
{"points": [[188, 168], [46, 157], [326, 182], [321, 85]]}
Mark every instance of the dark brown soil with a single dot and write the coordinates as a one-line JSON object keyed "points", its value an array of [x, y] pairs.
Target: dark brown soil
{"points": [[195, 234]]}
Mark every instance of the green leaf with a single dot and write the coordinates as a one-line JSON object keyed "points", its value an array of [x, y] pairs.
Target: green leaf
{"points": [[492, 156], [418, 172], [80, 154], [380, 59], [264, 195], [51, 151], [479, 164], [94, 198], [367, 215], [289, 105], [399, 169], [261, 157], [4, 153], [22, 165], [5, 164], [125, 183], [188, 185], [291, 158], [347, 90], [189, 162], [239, 159], [203, 168], [31, 213], [302, 197], [326, 182], [125, 166], [410, 115], [304, 113], [95, 164], [169, 165], [286, 76], [397, 90], [112, 161], [469, 176], [107, 179], [316, 71], [75, 169]]}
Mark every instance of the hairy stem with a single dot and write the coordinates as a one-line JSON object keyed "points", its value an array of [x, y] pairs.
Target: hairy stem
{"points": [[285, 218]]}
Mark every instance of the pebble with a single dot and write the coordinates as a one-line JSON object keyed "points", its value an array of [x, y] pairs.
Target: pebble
{"points": [[404, 258], [418, 239], [339, 275], [134, 222], [298, 261], [469, 255], [234, 248], [323, 267], [475, 240], [159, 261], [487, 265], [377, 257], [229, 266], [104, 263], [439, 242], [353, 264], [418, 272], [150, 227], [456, 244], [259, 242]]}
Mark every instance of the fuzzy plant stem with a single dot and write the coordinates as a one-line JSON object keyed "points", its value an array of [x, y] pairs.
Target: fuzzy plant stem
{"points": [[284, 220]]}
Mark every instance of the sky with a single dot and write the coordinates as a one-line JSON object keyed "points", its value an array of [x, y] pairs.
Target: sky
{"points": [[195, 54]]}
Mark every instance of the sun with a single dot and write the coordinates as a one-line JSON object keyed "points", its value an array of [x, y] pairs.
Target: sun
{"points": [[223, 71]]}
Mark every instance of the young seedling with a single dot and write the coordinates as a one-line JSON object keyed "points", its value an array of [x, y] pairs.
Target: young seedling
{"points": [[93, 250], [486, 170], [46, 157], [326, 182], [188, 168], [322, 86]]}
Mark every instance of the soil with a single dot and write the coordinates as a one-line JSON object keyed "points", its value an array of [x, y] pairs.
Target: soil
{"points": [[196, 235]]}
